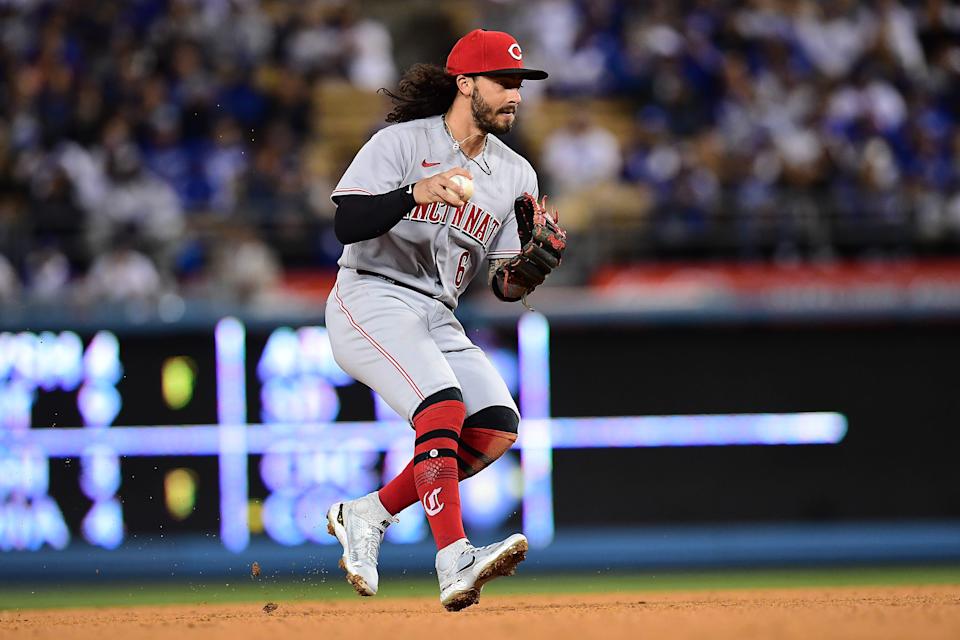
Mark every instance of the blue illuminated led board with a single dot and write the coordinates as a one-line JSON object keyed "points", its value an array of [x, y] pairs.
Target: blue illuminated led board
{"points": [[306, 460]]}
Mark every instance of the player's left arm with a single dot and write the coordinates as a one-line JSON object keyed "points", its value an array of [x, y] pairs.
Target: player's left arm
{"points": [[495, 264], [542, 242]]}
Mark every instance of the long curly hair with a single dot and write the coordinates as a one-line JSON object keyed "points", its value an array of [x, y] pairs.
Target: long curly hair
{"points": [[424, 90]]}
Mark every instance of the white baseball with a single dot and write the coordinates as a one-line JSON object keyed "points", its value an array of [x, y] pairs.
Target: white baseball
{"points": [[467, 185]]}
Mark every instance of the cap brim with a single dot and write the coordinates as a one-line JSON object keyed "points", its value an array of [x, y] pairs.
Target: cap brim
{"points": [[526, 74]]}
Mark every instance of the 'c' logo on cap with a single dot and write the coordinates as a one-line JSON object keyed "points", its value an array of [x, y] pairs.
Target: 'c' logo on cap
{"points": [[515, 52]]}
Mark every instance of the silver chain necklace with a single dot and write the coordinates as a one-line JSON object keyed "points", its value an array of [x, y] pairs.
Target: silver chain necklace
{"points": [[457, 147]]}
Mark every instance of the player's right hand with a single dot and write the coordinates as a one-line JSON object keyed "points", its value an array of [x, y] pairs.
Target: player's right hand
{"points": [[434, 188]]}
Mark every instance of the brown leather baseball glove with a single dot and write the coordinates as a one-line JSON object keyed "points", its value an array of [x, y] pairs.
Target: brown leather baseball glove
{"points": [[542, 243]]}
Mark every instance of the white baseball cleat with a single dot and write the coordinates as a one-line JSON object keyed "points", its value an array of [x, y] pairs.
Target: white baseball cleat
{"points": [[463, 569], [359, 525]]}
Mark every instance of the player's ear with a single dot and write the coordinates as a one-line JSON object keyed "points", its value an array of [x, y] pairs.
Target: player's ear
{"points": [[465, 85]]}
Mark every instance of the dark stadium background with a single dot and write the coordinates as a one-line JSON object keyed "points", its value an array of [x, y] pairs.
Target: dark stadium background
{"points": [[762, 219]]}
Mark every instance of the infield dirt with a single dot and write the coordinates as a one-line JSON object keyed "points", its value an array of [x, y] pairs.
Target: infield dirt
{"points": [[855, 612]]}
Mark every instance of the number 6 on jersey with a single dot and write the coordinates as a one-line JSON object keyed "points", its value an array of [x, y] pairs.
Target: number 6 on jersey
{"points": [[462, 265]]}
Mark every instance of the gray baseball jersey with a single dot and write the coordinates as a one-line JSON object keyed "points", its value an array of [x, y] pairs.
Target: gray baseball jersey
{"points": [[437, 248], [401, 343]]}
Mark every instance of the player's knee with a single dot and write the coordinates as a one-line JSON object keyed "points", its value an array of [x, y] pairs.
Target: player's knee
{"points": [[444, 395], [499, 418], [486, 436]]}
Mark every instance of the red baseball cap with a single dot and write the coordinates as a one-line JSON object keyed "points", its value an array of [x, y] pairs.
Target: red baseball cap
{"points": [[489, 53]]}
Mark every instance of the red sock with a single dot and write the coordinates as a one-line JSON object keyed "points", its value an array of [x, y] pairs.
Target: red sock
{"points": [[434, 470], [399, 493], [479, 448]]}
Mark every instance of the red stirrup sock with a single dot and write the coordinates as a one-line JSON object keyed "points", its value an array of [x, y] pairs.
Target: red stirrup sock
{"points": [[479, 448], [399, 493], [435, 472]]}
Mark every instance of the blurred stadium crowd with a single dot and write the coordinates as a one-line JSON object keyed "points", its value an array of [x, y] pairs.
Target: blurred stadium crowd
{"points": [[157, 146]]}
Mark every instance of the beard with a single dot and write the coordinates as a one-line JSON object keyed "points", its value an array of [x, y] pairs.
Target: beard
{"points": [[486, 117]]}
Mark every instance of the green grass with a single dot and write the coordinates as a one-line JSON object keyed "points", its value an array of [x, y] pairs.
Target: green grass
{"points": [[325, 587]]}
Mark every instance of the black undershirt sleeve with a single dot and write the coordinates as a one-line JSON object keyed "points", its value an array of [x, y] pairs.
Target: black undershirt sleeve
{"points": [[365, 217]]}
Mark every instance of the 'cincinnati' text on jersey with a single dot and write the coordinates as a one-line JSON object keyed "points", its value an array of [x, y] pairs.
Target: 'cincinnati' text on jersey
{"points": [[469, 218]]}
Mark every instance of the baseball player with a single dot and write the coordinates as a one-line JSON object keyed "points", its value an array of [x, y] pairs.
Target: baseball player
{"points": [[414, 237]]}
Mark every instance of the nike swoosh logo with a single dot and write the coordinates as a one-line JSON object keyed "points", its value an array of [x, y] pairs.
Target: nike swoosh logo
{"points": [[472, 561], [427, 165]]}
